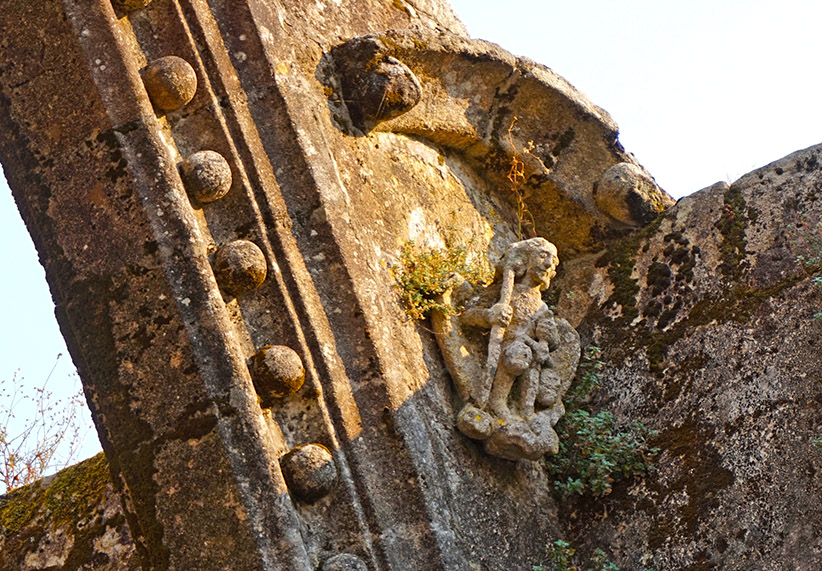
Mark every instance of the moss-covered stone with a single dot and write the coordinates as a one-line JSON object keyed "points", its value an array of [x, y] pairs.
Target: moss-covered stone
{"points": [[72, 519], [67, 497], [732, 225], [620, 260]]}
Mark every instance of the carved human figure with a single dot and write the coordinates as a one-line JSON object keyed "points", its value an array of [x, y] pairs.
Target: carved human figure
{"points": [[514, 398]]}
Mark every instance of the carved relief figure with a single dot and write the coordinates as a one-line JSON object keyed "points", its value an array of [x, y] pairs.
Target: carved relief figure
{"points": [[510, 358]]}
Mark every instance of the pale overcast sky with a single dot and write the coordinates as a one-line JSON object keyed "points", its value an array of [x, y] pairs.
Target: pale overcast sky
{"points": [[702, 90]]}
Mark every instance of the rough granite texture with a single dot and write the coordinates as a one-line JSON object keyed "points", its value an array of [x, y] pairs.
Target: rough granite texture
{"points": [[709, 338], [730, 379]]}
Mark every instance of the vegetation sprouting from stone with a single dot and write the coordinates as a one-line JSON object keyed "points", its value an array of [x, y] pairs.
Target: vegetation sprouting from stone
{"points": [[811, 260], [560, 556], [516, 179], [423, 273], [594, 452]]}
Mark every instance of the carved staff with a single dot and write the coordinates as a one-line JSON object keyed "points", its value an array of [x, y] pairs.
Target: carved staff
{"points": [[495, 339]]}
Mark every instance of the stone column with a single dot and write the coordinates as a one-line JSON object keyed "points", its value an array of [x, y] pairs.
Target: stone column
{"points": [[217, 216]]}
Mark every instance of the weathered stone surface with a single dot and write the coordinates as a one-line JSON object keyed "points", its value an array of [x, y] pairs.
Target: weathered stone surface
{"points": [[344, 562], [240, 267], [72, 520], [480, 108], [375, 87], [706, 322], [329, 202], [129, 5], [508, 380], [277, 371]]}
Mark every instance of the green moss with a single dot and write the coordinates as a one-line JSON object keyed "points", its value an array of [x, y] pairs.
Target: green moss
{"points": [[703, 475], [686, 269], [737, 304], [656, 350], [732, 225], [72, 495], [20, 508], [659, 277], [620, 260], [620, 269]]}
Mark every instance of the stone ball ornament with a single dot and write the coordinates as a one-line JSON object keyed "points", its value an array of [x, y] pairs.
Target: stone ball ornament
{"points": [[309, 472], [239, 266], [277, 371], [376, 86], [387, 90], [206, 176], [171, 82]]}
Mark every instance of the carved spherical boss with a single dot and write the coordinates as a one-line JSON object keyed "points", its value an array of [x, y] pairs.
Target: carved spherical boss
{"points": [[170, 81], [388, 90], [206, 175], [376, 86], [239, 267], [277, 371], [628, 194], [309, 471]]}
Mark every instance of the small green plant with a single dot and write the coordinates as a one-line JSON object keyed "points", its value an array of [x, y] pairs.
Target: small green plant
{"points": [[817, 442], [594, 452], [422, 275], [811, 260], [561, 558], [811, 237], [587, 378]]}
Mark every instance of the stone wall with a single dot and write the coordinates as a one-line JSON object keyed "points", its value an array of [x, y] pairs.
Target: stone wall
{"points": [[706, 320]]}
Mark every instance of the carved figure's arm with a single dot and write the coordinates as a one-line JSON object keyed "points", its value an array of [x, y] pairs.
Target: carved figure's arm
{"points": [[498, 314]]}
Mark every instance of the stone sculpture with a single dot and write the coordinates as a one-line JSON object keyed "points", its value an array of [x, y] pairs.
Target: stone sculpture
{"points": [[514, 398]]}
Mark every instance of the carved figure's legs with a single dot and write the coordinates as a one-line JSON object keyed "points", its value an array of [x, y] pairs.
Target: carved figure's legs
{"points": [[498, 401], [515, 360], [529, 382], [550, 387]]}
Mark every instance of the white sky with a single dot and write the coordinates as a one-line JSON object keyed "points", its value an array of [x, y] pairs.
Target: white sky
{"points": [[702, 90]]}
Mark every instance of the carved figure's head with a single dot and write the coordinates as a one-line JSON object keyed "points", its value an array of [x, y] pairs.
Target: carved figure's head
{"points": [[535, 260], [516, 358]]}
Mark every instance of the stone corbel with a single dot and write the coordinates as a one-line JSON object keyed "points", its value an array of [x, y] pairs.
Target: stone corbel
{"points": [[581, 187]]}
